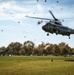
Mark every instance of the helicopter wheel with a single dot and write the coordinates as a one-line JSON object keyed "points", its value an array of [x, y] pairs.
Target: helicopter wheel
{"points": [[47, 34], [69, 37], [56, 32]]}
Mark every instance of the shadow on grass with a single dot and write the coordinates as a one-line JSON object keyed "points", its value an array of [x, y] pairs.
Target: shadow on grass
{"points": [[70, 60]]}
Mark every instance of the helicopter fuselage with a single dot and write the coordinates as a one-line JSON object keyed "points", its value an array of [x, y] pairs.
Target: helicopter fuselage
{"points": [[57, 28]]}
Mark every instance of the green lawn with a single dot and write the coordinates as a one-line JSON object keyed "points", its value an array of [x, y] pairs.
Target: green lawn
{"points": [[36, 65]]}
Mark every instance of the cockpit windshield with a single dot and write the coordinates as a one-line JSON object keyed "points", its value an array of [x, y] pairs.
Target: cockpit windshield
{"points": [[59, 23]]}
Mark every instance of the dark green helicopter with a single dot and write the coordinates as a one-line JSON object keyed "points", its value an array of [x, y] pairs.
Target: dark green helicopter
{"points": [[55, 26]]}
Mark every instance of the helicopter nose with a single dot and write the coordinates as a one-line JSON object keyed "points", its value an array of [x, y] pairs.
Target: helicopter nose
{"points": [[43, 27]]}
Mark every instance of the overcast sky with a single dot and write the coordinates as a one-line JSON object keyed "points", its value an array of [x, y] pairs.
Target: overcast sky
{"points": [[15, 27]]}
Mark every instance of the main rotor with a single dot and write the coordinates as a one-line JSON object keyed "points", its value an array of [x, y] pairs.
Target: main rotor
{"points": [[54, 18]]}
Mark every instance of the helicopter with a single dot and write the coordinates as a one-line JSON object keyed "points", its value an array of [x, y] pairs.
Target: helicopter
{"points": [[55, 26]]}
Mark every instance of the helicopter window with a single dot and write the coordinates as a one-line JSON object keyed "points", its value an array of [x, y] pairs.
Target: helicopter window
{"points": [[57, 23], [64, 28]]}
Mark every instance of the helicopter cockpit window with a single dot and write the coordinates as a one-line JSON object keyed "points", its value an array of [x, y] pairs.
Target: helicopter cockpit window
{"points": [[47, 23], [58, 23]]}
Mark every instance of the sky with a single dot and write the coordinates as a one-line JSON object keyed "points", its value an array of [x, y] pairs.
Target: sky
{"points": [[15, 27]]}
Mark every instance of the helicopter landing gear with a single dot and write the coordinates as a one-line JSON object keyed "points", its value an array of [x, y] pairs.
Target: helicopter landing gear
{"points": [[69, 37], [47, 34], [56, 32]]}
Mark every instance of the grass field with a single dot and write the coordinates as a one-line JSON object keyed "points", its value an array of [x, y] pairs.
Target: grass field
{"points": [[36, 65]]}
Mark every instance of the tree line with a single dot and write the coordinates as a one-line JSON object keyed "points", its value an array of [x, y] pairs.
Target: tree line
{"points": [[28, 48]]}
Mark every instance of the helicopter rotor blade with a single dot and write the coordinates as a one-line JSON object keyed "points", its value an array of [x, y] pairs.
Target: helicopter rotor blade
{"points": [[38, 18], [52, 15]]}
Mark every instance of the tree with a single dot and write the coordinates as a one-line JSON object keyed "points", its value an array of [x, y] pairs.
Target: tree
{"points": [[29, 43], [41, 48], [72, 51], [56, 50], [22, 51], [28, 46], [47, 49], [65, 51], [61, 47], [13, 48], [64, 48], [3, 50]]}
